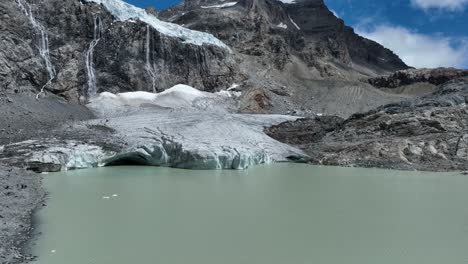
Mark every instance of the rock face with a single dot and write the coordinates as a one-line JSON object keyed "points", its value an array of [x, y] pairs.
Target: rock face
{"points": [[126, 55], [429, 133], [276, 31], [78, 48], [407, 77], [310, 130], [300, 55]]}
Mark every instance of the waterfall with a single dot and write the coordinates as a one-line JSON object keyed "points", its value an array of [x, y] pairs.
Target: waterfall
{"points": [[150, 67], [89, 60], [43, 42]]}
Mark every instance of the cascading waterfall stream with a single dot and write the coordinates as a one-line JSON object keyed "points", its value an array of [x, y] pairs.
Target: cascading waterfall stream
{"points": [[43, 43], [149, 66], [89, 60]]}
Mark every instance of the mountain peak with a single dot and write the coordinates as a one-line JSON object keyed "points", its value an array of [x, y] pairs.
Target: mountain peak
{"points": [[306, 29]]}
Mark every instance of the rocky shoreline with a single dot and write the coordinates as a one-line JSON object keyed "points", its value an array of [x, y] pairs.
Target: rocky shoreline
{"points": [[21, 193]]}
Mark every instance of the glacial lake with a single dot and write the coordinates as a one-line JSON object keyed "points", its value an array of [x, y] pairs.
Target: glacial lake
{"points": [[272, 214]]}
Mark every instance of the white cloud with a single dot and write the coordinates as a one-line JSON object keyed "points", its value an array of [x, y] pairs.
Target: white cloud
{"points": [[452, 5], [420, 50]]}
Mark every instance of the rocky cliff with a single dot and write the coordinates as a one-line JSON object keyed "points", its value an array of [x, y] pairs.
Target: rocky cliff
{"points": [[73, 48], [277, 31], [299, 56], [407, 77], [298, 63], [428, 133]]}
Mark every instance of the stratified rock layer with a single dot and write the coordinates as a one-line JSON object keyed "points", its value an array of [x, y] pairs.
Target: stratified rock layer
{"points": [[425, 134], [406, 77], [120, 57], [276, 31]]}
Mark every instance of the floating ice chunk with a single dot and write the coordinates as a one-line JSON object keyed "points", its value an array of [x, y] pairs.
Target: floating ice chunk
{"points": [[115, 195], [106, 197], [229, 4], [53, 251], [123, 11]]}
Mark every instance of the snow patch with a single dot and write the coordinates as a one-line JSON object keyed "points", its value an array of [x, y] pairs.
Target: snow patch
{"points": [[334, 13], [233, 86], [229, 4], [123, 12], [288, 1], [229, 93], [177, 97], [282, 25], [294, 23]]}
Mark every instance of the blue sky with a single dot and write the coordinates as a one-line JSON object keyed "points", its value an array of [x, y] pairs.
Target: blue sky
{"points": [[424, 33], [159, 4]]}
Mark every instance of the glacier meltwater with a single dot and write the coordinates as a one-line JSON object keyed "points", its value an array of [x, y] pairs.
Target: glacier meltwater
{"points": [[43, 43], [89, 57], [150, 66]]}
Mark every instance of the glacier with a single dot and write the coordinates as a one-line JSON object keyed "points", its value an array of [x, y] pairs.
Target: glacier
{"points": [[123, 11], [71, 155], [181, 127], [198, 140], [53, 153]]}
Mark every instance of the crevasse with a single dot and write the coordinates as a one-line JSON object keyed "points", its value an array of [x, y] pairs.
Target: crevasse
{"points": [[89, 60], [123, 11], [43, 42]]}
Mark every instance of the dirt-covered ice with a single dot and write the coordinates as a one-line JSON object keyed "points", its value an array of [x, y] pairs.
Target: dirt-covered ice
{"points": [[181, 127], [186, 128]]}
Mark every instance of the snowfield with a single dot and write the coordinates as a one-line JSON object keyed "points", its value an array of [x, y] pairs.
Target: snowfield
{"points": [[126, 12], [180, 96]]}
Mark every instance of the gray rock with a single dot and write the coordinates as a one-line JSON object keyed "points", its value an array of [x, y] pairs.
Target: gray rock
{"points": [[424, 134], [407, 77], [119, 56], [277, 32], [20, 194]]}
